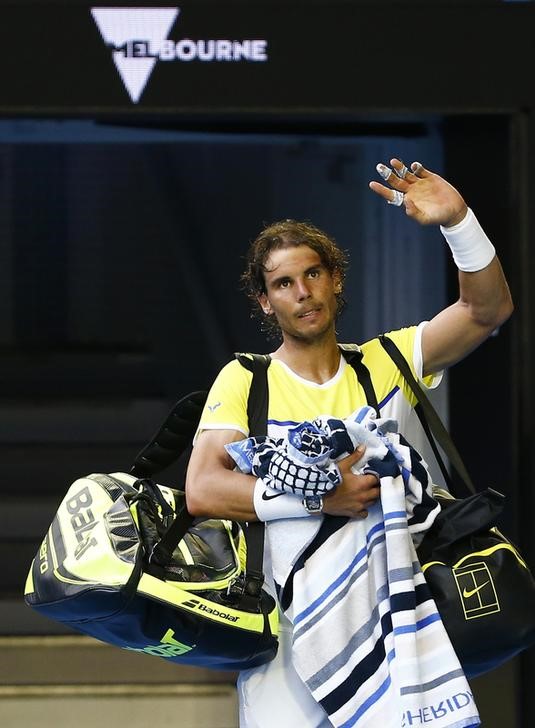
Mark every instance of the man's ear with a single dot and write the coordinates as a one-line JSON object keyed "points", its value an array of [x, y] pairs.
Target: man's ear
{"points": [[264, 304], [337, 281]]}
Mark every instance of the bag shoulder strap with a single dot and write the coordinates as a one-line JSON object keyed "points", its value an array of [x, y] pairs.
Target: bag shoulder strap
{"points": [[431, 422], [172, 438], [353, 355], [257, 415], [258, 401]]}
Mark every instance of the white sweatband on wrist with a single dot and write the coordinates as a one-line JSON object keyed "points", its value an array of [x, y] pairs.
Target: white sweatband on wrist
{"points": [[471, 248], [271, 504]]}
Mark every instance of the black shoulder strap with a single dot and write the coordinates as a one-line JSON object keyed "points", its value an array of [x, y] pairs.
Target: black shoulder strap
{"points": [[257, 414], [353, 355], [431, 422], [258, 402]]}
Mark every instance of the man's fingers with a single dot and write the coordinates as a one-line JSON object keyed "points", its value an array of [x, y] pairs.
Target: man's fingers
{"points": [[355, 456], [371, 495], [373, 484], [402, 171], [419, 170], [387, 193], [393, 180], [384, 192], [399, 177]]}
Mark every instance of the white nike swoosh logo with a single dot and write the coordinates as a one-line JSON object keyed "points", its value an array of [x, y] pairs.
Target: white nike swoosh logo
{"points": [[467, 593]]}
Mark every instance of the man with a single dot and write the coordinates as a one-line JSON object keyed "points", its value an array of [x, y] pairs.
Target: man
{"points": [[295, 274]]}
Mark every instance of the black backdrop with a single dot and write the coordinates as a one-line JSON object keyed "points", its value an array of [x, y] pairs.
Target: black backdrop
{"points": [[320, 57]]}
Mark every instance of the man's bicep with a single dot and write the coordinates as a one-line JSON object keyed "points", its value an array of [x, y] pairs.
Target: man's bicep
{"points": [[209, 451], [213, 487]]}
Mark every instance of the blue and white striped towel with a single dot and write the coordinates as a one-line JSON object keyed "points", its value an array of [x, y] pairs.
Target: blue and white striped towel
{"points": [[368, 641]]}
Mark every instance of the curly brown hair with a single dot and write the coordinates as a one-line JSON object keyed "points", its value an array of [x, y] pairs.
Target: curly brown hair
{"points": [[284, 234]]}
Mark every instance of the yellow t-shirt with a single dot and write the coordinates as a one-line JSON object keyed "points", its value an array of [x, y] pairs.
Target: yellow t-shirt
{"points": [[293, 399]]}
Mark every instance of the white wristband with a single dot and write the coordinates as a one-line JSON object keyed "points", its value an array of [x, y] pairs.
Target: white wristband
{"points": [[271, 504], [471, 248]]}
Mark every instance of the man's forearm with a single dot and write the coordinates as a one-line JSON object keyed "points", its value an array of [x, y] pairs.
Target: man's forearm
{"points": [[486, 295]]}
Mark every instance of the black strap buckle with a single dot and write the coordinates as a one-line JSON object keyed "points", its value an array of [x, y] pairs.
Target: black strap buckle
{"points": [[245, 590]]}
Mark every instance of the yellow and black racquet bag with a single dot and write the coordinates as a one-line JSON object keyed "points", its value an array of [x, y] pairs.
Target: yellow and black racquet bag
{"points": [[124, 561]]}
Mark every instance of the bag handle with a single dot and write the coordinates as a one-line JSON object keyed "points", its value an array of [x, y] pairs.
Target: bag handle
{"points": [[431, 422]]}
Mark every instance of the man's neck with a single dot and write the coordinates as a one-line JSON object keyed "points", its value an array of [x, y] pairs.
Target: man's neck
{"points": [[317, 361]]}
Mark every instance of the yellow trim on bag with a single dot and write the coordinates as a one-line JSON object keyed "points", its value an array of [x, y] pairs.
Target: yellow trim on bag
{"points": [[197, 586], [485, 552], [491, 550], [186, 553], [28, 586], [274, 621], [432, 563], [242, 550], [133, 513], [174, 594], [76, 582]]}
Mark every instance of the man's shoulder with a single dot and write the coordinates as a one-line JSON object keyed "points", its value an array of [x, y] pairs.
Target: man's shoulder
{"points": [[376, 358], [409, 341], [235, 369], [404, 338]]}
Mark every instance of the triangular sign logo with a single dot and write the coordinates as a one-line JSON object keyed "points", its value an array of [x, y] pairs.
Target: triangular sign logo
{"points": [[122, 26]]}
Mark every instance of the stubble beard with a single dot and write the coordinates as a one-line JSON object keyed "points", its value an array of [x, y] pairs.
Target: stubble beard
{"points": [[314, 337]]}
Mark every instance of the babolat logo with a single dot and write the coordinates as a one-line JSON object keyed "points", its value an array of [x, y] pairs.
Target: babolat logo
{"points": [[138, 38], [194, 604]]}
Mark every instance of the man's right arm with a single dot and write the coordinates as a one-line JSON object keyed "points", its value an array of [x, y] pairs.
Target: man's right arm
{"points": [[214, 489]]}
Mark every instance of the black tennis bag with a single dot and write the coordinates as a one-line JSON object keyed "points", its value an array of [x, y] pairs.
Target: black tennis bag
{"points": [[124, 561], [483, 588]]}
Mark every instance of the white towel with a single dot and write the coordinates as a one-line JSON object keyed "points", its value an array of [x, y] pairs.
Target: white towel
{"points": [[368, 641]]}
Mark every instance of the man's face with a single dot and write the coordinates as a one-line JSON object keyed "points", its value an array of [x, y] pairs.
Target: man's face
{"points": [[300, 292]]}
